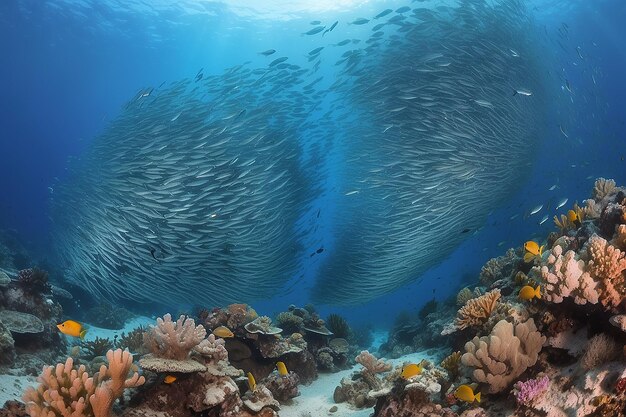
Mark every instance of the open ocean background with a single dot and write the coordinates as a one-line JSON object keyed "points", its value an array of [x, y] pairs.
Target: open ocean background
{"points": [[68, 67]]}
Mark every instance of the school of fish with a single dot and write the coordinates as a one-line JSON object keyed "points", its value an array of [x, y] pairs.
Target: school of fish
{"points": [[197, 191]]}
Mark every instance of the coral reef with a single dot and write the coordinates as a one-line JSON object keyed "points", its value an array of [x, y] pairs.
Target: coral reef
{"points": [[338, 326], [283, 387]]}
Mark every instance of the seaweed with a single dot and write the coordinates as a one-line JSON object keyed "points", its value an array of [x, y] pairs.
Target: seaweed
{"points": [[97, 347], [338, 325]]}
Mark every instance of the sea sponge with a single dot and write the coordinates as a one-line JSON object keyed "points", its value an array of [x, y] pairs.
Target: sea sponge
{"points": [[67, 391], [501, 357], [477, 311], [498, 268]]}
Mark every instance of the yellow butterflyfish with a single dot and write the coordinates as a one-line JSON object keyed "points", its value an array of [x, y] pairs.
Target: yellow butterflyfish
{"points": [[72, 328], [251, 382], [169, 379], [466, 393], [223, 332], [411, 370], [528, 293], [282, 369], [573, 217], [533, 250]]}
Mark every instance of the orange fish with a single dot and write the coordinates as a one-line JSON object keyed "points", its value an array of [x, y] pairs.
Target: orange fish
{"points": [[72, 328], [223, 332], [528, 293]]}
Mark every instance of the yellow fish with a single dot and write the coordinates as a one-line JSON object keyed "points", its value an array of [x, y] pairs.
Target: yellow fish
{"points": [[223, 332], [466, 393], [282, 369], [169, 379], [572, 216], [251, 382], [411, 370], [72, 328], [533, 250], [528, 293]]}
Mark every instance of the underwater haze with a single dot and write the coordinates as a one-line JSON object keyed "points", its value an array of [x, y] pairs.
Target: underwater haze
{"points": [[399, 153]]}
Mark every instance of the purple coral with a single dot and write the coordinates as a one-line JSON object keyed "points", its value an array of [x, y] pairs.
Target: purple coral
{"points": [[526, 392]]}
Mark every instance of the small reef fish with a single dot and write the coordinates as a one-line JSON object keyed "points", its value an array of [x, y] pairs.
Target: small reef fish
{"points": [[561, 203], [330, 28], [282, 369], [466, 393], [383, 13], [533, 250], [169, 379], [315, 30], [72, 328], [360, 21], [528, 293], [411, 370], [536, 209], [268, 52], [251, 382], [572, 216], [552, 188], [543, 220], [522, 92], [223, 332]]}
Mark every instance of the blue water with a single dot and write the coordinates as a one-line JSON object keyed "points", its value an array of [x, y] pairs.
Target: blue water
{"points": [[68, 67]]}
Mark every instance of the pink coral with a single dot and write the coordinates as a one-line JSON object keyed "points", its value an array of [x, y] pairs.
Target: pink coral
{"points": [[174, 340], [526, 392], [372, 364], [67, 391]]}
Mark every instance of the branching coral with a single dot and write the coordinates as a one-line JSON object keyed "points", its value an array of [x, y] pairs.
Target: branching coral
{"points": [[477, 310], [498, 359], [97, 347], [371, 363], [528, 391], [70, 392], [174, 340]]}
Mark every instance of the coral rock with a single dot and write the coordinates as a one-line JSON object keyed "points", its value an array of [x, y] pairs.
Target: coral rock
{"points": [[18, 322], [477, 310]]}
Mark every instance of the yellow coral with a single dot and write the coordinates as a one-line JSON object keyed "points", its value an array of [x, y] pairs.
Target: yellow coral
{"points": [[477, 310], [565, 224]]}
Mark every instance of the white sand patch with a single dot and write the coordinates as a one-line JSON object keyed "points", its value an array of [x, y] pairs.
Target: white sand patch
{"points": [[12, 387], [93, 331]]}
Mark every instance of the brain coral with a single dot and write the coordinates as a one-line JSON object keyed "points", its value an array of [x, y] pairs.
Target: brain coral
{"points": [[500, 358]]}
